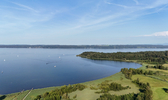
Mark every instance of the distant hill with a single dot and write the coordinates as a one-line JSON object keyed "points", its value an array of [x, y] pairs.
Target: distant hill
{"points": [[85, 46], [165, 44]]}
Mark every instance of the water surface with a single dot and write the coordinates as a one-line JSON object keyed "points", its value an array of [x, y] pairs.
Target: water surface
{"points": [[22, 69]]}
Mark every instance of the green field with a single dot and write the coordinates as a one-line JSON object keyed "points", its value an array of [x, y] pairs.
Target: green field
{"points": [[156, 85], [31, 96], [91, 95], [165, 65]]}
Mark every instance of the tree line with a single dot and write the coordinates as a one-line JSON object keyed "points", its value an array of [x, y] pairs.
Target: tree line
{"points": [[145, 89], [145, 94], [105, 87], [152, 57], [157, 66], [61, 93], [131, 71]]}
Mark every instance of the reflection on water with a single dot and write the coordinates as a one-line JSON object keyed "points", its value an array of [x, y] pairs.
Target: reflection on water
{"points": [[114, 63]]}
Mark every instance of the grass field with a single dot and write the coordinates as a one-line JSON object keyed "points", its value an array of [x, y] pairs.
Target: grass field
{"points": [[156, 85], [9, 96], [165, 65], [153, 69], [88, 94], [31, 96], [36, 92]]}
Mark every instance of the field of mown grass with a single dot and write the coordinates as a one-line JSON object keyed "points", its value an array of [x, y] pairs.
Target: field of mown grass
{"points": [[88, 94], [31, 96], [165, 65], [36, 92], [9, 96], [22, 95], [156, 85], [153, 69], [16, 96]]}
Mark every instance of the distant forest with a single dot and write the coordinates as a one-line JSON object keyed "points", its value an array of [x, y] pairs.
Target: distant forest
{"points": [[85, 46], [152, 57]]}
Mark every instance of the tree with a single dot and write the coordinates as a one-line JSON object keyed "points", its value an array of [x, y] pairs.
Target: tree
{"points": [[148, 93]]}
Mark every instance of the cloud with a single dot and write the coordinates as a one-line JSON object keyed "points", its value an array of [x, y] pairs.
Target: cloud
{"points": [[14, 22], [136, 1], [24, 6], [96, 21], [129, 12], [123, 6], [164, 33], [93, 19], [12, 7]]}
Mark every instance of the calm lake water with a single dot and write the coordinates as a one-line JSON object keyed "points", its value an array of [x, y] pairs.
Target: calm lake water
{"points": [[38, 68]]}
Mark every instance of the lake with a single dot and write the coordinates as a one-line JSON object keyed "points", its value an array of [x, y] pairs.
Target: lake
{"points": [[23, 69]]}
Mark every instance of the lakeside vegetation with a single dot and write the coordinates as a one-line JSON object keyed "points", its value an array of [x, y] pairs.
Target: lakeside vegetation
{"points": [[150, 57], [156, 62], [149, 82], [61, 93]]}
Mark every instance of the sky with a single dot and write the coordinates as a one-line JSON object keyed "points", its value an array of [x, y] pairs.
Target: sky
{"points": [[83, 22]]}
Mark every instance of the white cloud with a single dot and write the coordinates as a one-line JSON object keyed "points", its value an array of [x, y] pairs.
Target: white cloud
{"points": [[86, 21], [123, 6], [130, 12], [24, 6], [165, 33], [136, 1], [12, 7]]}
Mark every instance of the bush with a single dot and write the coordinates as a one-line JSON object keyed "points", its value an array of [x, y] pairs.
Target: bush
{"points": [[93, 88], [74, 96], [57, 94], [105, 87]]}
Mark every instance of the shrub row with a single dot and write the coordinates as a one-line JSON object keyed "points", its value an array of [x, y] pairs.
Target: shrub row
{"points": [[61, 93]]}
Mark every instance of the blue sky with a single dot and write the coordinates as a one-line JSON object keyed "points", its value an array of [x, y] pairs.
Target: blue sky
{"points": [[80, 22]]}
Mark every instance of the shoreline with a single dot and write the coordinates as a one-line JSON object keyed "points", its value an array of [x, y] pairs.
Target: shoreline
{"points": [[39, 91], [118, 77], [105, 76]]}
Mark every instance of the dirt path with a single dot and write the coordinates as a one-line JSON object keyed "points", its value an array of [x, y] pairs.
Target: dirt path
{"points": [[27, 94]]}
